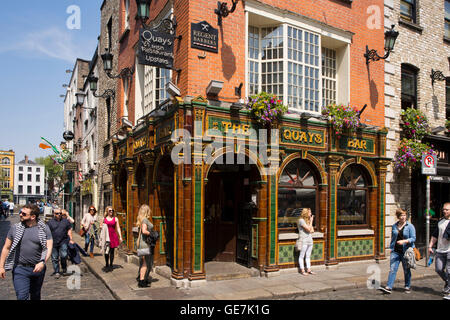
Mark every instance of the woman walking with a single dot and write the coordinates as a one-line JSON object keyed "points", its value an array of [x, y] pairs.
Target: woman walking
{"points": [[114, 237], [87, 223], [143, 249], [305, 230], [403, 237]]}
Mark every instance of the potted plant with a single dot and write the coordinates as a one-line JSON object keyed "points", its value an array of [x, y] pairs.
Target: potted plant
{"points": [[266, 108], [409, 154], [344, 118], [414, 124]]}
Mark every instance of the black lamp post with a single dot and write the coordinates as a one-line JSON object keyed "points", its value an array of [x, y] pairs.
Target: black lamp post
{"points": [[107, 58], [143, 9], [389, 41], [109, 93]]}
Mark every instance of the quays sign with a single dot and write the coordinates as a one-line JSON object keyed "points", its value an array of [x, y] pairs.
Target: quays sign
{"points": [[155, 48], [297, 136]]}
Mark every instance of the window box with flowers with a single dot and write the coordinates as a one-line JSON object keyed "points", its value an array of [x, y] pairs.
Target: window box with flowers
{"points": [[266, 108], [345, 119], [447, 127], [414, 126]]}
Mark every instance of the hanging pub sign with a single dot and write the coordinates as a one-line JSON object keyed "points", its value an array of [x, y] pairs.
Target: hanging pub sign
{"points": [[204, 37], [155, 48]]}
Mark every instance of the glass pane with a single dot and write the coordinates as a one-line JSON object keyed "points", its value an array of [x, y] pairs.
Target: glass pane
{"points": [[298, 173], [351, 207], [291, 203], [447, 9], [352, 178]]}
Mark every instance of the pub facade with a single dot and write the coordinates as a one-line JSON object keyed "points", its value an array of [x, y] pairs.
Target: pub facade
{"points": [[221, 186]]}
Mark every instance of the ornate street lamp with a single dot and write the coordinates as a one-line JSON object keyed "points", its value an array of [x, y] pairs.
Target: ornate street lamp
{"points": [[389, 41], [436, 75], [222, 10], [143, 14], [107, 58], [143, 9], [109, 93], [80, 98]]}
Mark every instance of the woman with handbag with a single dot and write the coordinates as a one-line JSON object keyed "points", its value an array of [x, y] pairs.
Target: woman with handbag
{"points": [[143, 247], [87, 224], [114, 235], [305, 240], [403, 237]]}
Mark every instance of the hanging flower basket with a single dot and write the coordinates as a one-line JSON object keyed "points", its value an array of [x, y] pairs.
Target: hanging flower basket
{"points": [[410, 153], [266, 108], [344, 118], [447, 126], [414, 124]]}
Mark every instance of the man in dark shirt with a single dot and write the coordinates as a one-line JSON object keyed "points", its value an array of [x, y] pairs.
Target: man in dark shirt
{"points": [[27, 246], [62, 234]]}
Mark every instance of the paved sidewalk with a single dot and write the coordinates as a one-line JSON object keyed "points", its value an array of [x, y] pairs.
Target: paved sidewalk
{"points": [[289, 284]]}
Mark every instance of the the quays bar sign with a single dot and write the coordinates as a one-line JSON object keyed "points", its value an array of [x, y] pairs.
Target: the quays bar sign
{"points": [[357, 144], [204, 37], [140, 144], [298, 136], [155, 48]]}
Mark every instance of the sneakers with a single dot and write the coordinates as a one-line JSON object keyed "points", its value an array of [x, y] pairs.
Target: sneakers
{"points": [[446, 290], [57, 275], [407, 290], [447, 296], [386, 290]]}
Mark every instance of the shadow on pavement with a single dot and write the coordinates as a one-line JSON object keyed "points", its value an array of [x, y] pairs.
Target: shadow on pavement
{"points": [[427, 290]]}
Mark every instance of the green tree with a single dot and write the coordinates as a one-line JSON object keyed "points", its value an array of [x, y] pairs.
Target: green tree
{"points": [[53, 170]]}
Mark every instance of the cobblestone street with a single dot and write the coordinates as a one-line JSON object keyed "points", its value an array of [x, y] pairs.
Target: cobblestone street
{"points": [[90, 287]]}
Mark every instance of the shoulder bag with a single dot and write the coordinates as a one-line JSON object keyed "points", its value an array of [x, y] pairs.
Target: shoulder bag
{"points": [[142, 251]]}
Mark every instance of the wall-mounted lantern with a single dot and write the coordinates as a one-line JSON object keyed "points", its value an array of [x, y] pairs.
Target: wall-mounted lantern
{"points": [[389, 41]]}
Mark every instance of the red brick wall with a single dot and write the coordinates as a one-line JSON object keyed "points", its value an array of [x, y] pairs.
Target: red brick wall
{"points": [[228, 65]]}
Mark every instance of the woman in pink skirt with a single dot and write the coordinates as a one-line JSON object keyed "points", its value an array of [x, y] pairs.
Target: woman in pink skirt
{"points": [[115, 237]]}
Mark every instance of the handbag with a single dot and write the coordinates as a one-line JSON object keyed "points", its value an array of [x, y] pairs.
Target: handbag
{"points": [[298, 244], [417, 254], [143, 251], [82, 231]]}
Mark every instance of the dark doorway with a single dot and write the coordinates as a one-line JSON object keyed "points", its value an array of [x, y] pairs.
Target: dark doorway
{"points": [[229, 192]]}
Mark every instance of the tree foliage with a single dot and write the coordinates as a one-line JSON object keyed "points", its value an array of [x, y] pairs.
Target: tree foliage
{"points": [[54, 171]]}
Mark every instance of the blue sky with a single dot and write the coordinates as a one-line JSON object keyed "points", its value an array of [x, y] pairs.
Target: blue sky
{"points": [[36, 49]]}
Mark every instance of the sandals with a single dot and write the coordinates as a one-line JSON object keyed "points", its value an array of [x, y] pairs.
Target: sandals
{"points": [[303, 273], [310, 272]]}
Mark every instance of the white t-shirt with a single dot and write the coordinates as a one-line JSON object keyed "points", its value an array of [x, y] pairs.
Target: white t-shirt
{"points": [[443, 245], [304, 235]]}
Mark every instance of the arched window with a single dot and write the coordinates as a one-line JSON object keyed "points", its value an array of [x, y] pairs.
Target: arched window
{"points": [[352, 198], [6, 161], [297, 189]]}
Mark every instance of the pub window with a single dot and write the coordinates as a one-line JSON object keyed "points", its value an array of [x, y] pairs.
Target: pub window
{"points": [[286, 60], [352, 198], [409, 86], [447, 19], [408, 10], [297, 189]]}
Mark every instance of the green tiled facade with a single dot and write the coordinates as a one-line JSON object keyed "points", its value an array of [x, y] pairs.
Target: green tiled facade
{"points": [[355, 248], [287, 253], [198, 218]]}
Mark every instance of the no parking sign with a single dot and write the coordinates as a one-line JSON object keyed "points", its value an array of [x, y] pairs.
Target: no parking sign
{"points": [[429, 163]]}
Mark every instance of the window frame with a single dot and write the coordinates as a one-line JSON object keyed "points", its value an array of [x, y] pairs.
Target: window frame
{"points": [[316, 187], [366, 225], [409, 70], [413, 5], [446, 19]]}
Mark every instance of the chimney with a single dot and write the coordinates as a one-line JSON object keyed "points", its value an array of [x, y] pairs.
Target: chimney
{"points": [[26, 159]]}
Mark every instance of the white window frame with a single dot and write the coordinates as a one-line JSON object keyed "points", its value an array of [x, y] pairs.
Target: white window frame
{"points": [[308, 25], [127, 14]]}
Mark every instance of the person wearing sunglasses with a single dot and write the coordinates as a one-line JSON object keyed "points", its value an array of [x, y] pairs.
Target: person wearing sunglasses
{"points": [[27, 248], [110, 237], [62, 234], [88, 223]]}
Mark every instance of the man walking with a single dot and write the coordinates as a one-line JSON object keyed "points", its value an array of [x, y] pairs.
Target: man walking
{"points": [[62, 234], [28, 246], [441, 235], [11, 208]]}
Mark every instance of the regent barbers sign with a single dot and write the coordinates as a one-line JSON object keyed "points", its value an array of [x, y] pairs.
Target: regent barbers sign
{"points": [[155, 48], [204, 37]]}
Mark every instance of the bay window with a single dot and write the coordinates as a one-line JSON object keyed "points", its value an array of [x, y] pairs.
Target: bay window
{"points": [[306, 69]]}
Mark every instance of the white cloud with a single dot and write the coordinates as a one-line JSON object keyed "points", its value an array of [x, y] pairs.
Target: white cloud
{"points": [[54, 43]]}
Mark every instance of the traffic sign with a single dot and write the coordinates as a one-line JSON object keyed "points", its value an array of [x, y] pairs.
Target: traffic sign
{"points": [[429, 164]]}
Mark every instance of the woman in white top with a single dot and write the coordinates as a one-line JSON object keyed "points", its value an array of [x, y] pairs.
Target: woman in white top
{"points": [[91, 233], [305, 230]]}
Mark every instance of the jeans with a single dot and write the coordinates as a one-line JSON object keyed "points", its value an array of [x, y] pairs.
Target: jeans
{"points": [[27, 283], [442, 267], [59, 252], [88, 238], [394, 262], [305, 253]]}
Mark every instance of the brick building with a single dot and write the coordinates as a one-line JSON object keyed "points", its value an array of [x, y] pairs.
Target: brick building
{"points": [[308, 53], [423, 45]]}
